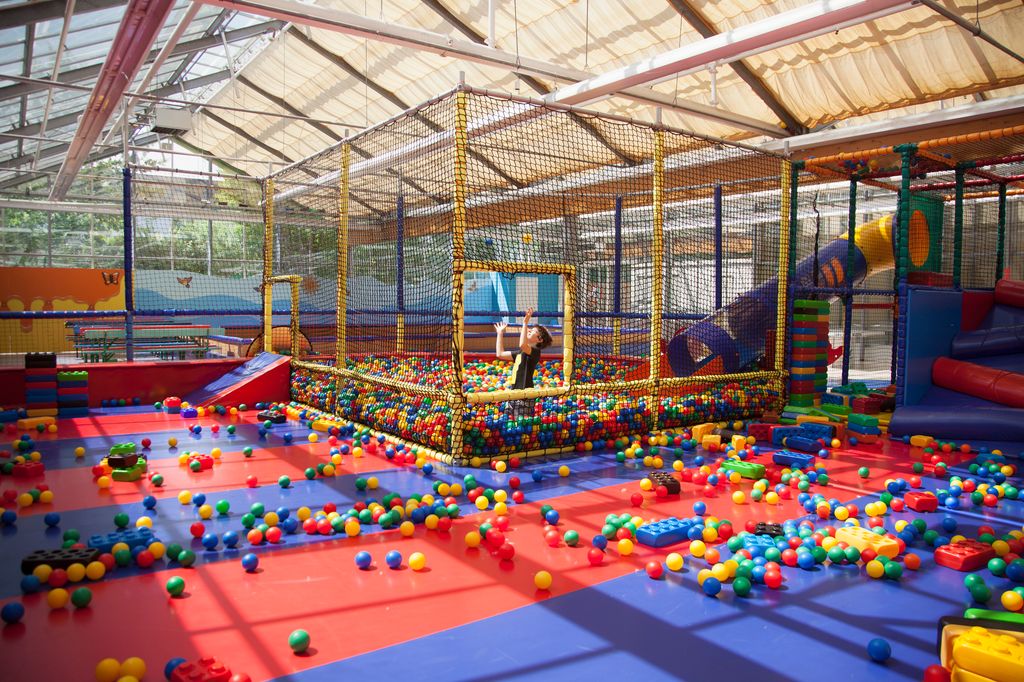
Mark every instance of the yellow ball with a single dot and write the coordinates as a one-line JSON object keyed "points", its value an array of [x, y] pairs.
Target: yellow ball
{"points": [[674, 561], [500, 467], [157, 549], [720, 571], [79, 451], [336, 459], [215, 453], [271, 519], [875, 568], [444, 490], [234, 411], [183, 459], [42, 572], [500, 495], [372, 483], [206, 512], [678, 465], [57, 598], [737, 498], [455, 490], [658, 462], [357, 452], [76, 573], [1012, 601], [563, 471], [734, 477], [303, 513], [407, 529], [841, 513], [35, 456], [118, 546], [313, 438], [134, 667], [836, 442], [185, 497], [172, 442], [417, 561], [95, 570], [475, 462], [481, 503], [329, 470], [25, 499], [646, 484], [352, 528], [771, 497], [431, 521], [901, 524], [703, 575], [51, 428], [103, 482], [625, 547], [542, 580], [648, 461], [46, 497], [710, 534], [473, 539], [697, 548], [108, 670], [500, 508], [731, 565], [1001, 547]]}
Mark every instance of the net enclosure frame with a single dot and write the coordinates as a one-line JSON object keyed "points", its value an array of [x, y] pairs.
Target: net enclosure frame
{"points": [[504, 185]]}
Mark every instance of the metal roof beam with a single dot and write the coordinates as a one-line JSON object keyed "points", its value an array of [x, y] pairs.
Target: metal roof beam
{"points": [[26, 13], [706, 30], [198, 45], [363, 27], [132, 43], [22, 178], [785, 28]]}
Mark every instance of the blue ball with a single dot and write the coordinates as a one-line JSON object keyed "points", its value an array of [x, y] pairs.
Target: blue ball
{"points": [[853, 440], [8, 517], [537, 475], [52, 519], [30, 584], [197, 429], [363, 560], [428, 469], [290, 525], [12, 612], [600, 541], [171, 665], [283, 513], [393, 559], [287, 438], [1015, 570], [199, 499], [552, 517], [249, 562], [210, 541], [149, 502], [879, 650], [949, 524], [711, 586], [699, 508], [230, 539], [805, 560]]}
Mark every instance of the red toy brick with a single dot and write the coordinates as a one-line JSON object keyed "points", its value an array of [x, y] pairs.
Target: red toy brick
{"points": [[206, 669], [964, 555], [28, 470], [205, 461], [921, 501], [760, 432]]}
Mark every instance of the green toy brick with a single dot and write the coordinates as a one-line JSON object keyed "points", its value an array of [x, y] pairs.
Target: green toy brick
{"points": [[810, 303], [863, 420], [986, 614], [123, 449], [132, 474], [72, 376], [751, 470], [835, 409]]}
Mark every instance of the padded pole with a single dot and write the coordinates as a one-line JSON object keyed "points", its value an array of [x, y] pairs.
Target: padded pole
{"points": [[342, 302], [787, 258], [958, 227], [851, 235], [400, 277], [295, 317], [617, 284], [457, 392], [657, 271], [268, 264], [129, 266], [1001, 232], [718, 245], [902, 257]]}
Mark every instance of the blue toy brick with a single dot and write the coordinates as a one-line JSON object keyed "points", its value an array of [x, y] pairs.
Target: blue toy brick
{"points": [[73, 384], [40, 394], [664, 533], [815, 430], [72, 411], [791, 459], [801, 443], [778, 433], [133, 537], [7, 416], [864, 430], [40, 378], [757, 544]]}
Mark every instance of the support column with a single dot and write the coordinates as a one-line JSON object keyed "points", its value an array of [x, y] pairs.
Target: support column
{"points": [[958, 227], [1001, 233], [902, 258], [718, 245], [787, 261], [129, 266], [268, 264], [617, 282], [457, 400], [400, 277], [658, 276], [851, 234], [342, 283]]}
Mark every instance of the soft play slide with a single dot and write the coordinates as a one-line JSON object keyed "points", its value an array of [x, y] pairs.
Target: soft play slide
{"points": [[264, 377], [978, 393], [734, 336]]}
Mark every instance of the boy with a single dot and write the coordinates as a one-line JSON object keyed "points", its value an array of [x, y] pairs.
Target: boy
{"points": [[532, 340]]}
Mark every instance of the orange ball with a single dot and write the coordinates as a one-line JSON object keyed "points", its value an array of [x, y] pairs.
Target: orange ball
{"points": [[711, 555], [912, 561]]}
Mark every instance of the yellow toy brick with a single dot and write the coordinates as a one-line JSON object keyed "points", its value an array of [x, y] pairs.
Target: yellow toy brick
{"points": [[33, 422], [711, 439], [989, 655], [700, 430], [862, 538], [739, 442], [920, 441]]}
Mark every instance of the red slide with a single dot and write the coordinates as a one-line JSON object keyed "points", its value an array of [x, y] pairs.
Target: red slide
{"points": [[997, 385], [1010, 292]]}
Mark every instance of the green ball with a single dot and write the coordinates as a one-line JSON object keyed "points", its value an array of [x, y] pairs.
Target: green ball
{"points": [[977, 498], [980, 593], [772, 554], [819, 554], [311, 474], [544, 511], [863, 472], [852, 555], [81, 597], [997, 566], [40, 427], [248, 520], [735, 543], [284, 481], [1010, 492], [247, 451], [836, 555], [176, 586], [453, 511], [121, 520], [571, 538], [158, 406], [893, 570], [822, 479], [123, 557], [918, 468], [885, 497], [257, 509], [920, 524], [223, 507], [973, 579], [157, 480], [741, 585], [620, 457], [187, 557], [72, 534], [299, 641], [195, 465], [268, 425], [360, 483], [365, 516], [231, 429], [608, 530], [173, 552]]}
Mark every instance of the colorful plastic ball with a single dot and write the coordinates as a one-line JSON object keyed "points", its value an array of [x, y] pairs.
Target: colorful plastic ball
{"points": [[313, 438], [654, 569], [298, 641], [284, 481], [175, 586], [739, 497], [625, 547], [363, 560], [172, 442], [171, 665], [699, 508], [103, 482], [79, 451], [12, 612], [187, 558], [57, 598], [393, 559], [595, 556], [1012, 600], [81, 597], [250, 562], [231, 428], [542, 580], [107, 670], [879, 650], [30, 584], [417, 561], [563, 471], [711, 586], [674, 561], [741, 586], [863, 472], [552, 516]]}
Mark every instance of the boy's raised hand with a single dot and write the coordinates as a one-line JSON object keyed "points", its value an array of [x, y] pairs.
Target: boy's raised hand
{"points": [[500, 326], [529, 314]]}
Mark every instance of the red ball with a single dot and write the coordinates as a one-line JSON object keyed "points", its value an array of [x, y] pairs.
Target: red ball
{"points": [[773, 579], [514, 462], [789, 557], [197, 529], [274, 535], [146, 442], [623, 534], [876, 522], [309, 525], [935, 673], [144, 559], [661, 491], [636, 499], [323, 526], [595, 556], [654, 569], [215, 428], [553, 538], [444, 524], [991, 500], [107, 559], [897, 504], [507, 551], [58, 578], [750, 526], [254, 537], [868, 555], [495, 538], [518, 497], [251, 481], [513, 482], [502, 523]]}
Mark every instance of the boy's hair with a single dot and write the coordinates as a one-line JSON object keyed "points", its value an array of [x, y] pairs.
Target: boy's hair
{"points": [[545, 337]]}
